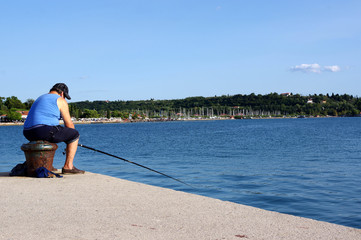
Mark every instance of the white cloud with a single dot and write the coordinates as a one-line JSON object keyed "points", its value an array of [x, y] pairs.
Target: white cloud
{"points": [[333, 68], [315, 68]]}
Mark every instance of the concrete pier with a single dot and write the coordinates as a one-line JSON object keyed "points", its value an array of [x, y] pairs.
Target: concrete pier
{"points": [[94, 206]]}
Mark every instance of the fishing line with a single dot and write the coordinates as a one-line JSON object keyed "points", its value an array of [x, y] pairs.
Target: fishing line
{"points": [[96, 150]]}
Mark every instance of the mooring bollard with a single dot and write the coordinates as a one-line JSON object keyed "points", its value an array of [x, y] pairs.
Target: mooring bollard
{"points": [[38, 154]]}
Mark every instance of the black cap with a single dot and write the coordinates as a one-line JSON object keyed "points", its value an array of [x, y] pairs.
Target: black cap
{"points": [[61, 87]]}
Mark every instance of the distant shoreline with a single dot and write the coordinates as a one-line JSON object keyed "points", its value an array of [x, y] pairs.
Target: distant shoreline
{"points": [[118, 121], [106, 121]]}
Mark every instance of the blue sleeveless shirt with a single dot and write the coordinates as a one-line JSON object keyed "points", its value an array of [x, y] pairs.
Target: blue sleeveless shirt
{"points": [[44, 111]]}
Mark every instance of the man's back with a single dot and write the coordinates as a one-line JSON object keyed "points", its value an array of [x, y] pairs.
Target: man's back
{"points": [[44, 111]]}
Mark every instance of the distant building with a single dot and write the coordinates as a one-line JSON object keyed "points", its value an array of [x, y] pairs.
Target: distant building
{"points": [[310, 101], [24, 114], [3, 118], [285, 94]]}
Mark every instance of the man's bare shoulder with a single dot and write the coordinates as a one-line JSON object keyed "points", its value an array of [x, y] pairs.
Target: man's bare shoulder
{"points": [[62, 103]]}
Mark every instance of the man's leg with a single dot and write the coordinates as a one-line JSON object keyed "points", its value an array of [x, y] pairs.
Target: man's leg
{"points": [[71, 137], [70, 154]]}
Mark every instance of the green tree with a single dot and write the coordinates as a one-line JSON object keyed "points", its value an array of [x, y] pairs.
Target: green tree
{"points": [[90, 114], [120, 114], [29, 102], [2, 104], [3, 112], [14, 102], [12, 115], [77, 114]]}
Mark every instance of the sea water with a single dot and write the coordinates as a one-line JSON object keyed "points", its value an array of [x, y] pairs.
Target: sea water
{"points": [[304, 167]]}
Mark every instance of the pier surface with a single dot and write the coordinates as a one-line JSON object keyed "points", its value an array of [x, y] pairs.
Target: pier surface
{"points": [[94, 206]]}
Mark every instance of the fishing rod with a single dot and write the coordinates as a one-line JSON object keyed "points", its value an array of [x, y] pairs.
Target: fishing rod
{"points": [[96, 150]]}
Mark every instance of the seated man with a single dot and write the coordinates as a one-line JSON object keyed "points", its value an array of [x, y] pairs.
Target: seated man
{"points": [[42, 123]]}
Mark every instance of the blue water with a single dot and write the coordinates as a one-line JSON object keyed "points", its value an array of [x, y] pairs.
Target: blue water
{"points": [[304, 167]]}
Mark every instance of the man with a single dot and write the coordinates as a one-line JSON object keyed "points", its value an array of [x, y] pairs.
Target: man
{"points": [[42, 123]]}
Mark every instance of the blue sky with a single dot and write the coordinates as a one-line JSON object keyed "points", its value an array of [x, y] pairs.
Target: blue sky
{"points": [[170, 49]]}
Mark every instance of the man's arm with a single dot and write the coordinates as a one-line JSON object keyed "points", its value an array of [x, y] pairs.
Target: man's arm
{"points": [[64, 111]]}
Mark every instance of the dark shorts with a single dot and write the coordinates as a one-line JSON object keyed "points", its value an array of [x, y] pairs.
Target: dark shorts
{"points": [[53, 134]]}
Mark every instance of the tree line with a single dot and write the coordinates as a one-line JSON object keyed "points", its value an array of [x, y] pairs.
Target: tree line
{"points": [[273, 104]]}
